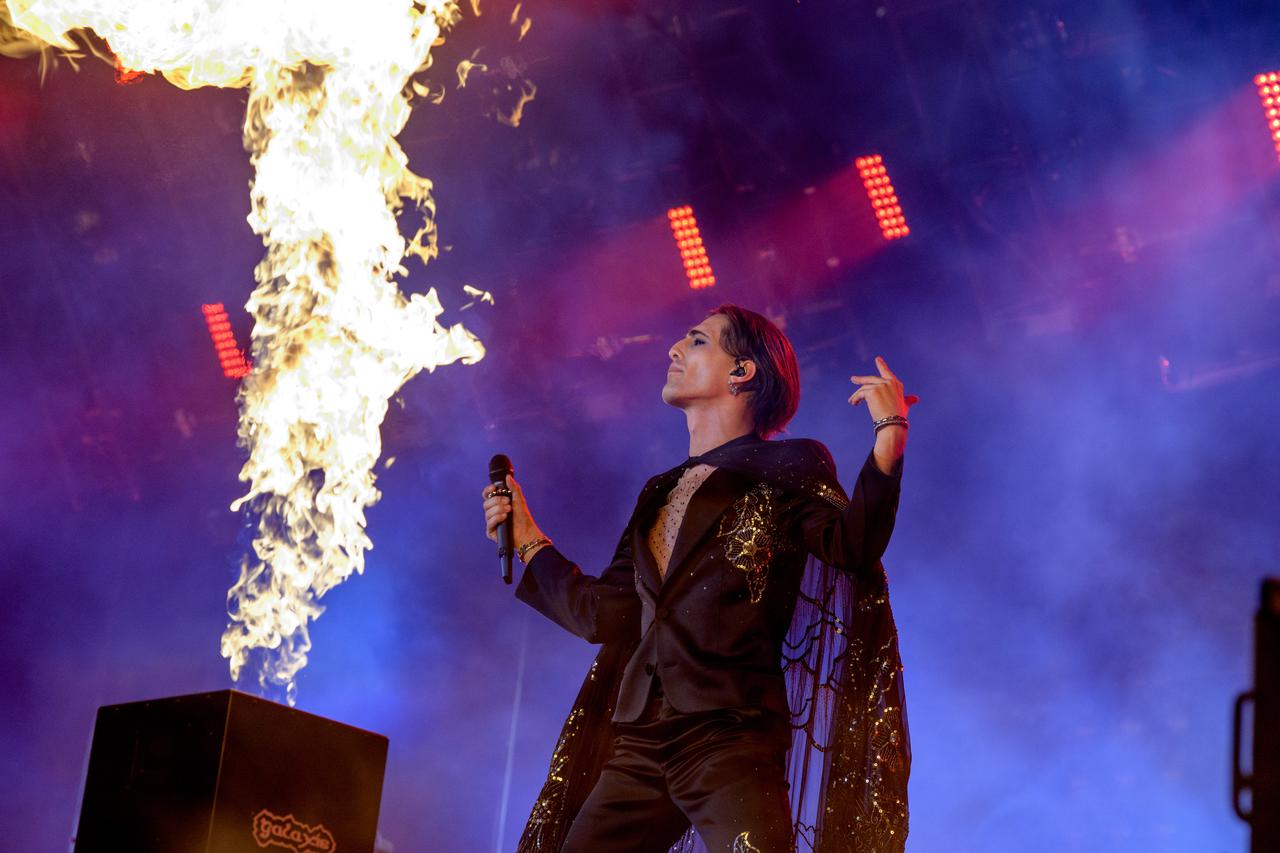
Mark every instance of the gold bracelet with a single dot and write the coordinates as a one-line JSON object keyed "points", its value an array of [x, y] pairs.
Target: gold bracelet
{"points": [[528, 546]]}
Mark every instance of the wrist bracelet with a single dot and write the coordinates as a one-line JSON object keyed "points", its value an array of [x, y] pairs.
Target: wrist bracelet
{"points": [[528, 546], [890, 421]]}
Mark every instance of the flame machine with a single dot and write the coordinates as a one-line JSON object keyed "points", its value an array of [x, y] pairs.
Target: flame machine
{"points": [[226, 772]]}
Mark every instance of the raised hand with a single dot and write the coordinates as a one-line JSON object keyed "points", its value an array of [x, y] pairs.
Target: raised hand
{"points": [[883, 394], [884, 397]]}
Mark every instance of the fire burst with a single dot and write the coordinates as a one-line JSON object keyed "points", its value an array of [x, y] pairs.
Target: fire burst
{"points": [[333, 335]]}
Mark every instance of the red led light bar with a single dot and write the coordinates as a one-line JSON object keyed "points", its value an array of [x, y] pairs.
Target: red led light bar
{"points": [[1269, 92], [234, 364], [697, 267], [884, 201]]}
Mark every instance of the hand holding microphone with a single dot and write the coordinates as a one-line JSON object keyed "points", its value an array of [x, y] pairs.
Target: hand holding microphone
{"points": [[507, 518]]}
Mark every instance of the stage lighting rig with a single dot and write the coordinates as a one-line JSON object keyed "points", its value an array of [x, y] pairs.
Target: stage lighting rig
{"points": [[230, 357], [693, 254], [883, 197], [1269, 93]]}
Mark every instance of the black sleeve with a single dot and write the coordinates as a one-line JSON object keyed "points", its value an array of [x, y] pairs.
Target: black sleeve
{"points": [[600, 610], [853, 537]]}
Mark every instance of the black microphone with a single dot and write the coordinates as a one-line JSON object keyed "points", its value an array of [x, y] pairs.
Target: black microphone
{"points": [[499, 470]]}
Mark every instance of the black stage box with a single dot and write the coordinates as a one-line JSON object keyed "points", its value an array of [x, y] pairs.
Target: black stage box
{"points": [[226, 772]]}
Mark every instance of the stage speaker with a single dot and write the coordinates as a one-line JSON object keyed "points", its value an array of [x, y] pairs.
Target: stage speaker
{"points": [[1261, 782], [226, 772]]}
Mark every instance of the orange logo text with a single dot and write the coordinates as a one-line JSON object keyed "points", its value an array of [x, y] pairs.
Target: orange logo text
{"points": [[272, 830]]}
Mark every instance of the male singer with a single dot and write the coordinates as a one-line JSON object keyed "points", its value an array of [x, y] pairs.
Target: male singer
{"points": [[697, 604]]}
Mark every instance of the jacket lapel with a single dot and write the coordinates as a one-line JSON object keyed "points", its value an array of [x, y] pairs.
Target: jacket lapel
{"points": [[705, 508]]}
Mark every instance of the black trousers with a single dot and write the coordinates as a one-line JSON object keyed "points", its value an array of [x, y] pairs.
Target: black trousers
{"points": [[723, 771]]}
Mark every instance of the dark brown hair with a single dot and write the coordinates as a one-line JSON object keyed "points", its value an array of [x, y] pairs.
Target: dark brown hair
{"points": [[775, 389]]}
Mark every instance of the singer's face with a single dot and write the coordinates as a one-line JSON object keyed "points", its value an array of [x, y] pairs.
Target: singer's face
{"points": [[699, 367]]}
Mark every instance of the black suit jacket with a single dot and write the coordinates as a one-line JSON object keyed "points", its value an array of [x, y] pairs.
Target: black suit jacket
{"points": [[712, 631]]}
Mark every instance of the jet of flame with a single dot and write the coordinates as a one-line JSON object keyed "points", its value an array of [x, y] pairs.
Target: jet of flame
{"points": [[333, 337]]}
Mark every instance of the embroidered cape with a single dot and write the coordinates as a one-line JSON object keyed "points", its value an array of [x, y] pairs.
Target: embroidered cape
{"points": [[850, 755]]}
